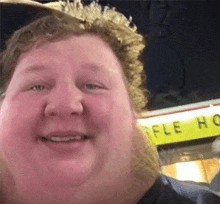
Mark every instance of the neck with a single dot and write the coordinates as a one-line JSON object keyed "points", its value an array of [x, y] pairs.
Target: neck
{"points": [[123, 196]]}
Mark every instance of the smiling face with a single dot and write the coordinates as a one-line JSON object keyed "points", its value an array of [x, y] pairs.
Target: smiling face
{"points": [[71, 90]]}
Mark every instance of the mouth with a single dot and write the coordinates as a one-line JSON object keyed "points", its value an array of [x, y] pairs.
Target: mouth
{"points": [[67, 139], [65, 142]]}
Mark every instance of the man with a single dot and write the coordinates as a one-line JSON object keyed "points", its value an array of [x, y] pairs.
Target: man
{"points": [[72, 88]]}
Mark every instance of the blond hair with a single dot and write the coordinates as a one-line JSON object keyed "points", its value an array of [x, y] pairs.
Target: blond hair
{"points": [[105, 22]]}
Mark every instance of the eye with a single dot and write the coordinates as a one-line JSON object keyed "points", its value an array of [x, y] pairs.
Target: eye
{"points": [[92, 86], [38, 88]]}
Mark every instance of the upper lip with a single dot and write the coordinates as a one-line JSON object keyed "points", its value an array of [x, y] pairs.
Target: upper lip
{"points": [[64, 134]]}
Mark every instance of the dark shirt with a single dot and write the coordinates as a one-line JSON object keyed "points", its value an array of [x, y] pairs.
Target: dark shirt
{"points": [[215, 183], [167, 190]]}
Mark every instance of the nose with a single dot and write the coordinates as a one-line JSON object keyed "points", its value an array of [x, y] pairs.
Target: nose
{"points": [[64, 101]]}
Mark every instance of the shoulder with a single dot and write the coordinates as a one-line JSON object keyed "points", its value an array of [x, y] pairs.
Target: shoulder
{"points": [[167, 190], [196, 193], [165, 194]]}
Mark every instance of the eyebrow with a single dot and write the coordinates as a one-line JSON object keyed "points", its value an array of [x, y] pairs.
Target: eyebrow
{"points": [[88, 66], [93, 67], [33, 69]]}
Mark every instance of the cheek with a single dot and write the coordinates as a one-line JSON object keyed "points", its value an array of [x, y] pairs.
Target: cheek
{"points": [[19, 115], [111, 115], [19, 119], [98, 110]]}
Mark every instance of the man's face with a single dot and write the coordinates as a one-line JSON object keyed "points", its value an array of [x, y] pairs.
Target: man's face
{"points": [[66, 118]]}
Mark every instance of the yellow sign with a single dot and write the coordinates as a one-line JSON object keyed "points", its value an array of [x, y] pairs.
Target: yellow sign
{"points": [[183, 126]]}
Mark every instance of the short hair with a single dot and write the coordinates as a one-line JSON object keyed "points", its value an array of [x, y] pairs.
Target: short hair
{"points": [[108, 24]]}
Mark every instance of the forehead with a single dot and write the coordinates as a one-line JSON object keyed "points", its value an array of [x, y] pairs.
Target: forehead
{"points": [[84, 50]]}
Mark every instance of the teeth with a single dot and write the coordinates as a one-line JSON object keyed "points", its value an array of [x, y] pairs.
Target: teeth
{"points": [[66, 139]]}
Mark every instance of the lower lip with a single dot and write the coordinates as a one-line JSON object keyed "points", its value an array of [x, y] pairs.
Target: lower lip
{"points": [[66, 147]]}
